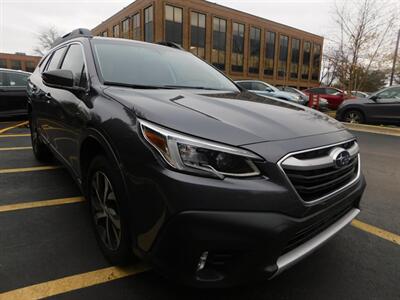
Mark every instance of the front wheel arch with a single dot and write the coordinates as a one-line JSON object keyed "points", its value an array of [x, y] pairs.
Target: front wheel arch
{"points": [[357, 110]]}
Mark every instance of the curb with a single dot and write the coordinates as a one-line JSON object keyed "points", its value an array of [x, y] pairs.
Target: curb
{"points": [[373, 129]]}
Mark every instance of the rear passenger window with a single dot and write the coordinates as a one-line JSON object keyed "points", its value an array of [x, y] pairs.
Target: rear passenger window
{"points": [[74, 62], [2, 79], [55, 59], [16, 79]]}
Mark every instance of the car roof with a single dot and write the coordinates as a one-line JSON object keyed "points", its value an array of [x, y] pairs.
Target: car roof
{"points": [[15, 71]]}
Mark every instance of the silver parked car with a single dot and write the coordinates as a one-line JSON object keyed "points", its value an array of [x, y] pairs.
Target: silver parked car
{"points": [[264, 89], [323, 103]]}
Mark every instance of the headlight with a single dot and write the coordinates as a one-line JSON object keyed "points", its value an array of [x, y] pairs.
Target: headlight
{"points": [[191, 154]]}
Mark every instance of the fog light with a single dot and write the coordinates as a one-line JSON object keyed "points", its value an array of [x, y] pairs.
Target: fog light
{"points": [[202, 261]]}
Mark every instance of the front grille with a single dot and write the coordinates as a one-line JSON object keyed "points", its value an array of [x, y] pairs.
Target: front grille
{"points": [[314, 175], [308, 232]]}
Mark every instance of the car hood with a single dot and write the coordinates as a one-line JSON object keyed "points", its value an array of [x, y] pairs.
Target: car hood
{"points": [[228, 117]]}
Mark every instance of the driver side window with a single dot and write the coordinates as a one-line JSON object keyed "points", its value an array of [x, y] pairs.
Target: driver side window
{"points": [[74, 62], [259, 87]]}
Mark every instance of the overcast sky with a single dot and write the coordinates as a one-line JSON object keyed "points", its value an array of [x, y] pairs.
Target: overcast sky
{"points": [[21, 20]]}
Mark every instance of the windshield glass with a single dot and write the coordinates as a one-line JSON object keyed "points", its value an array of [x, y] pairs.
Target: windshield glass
{"points": [[140, 64]]}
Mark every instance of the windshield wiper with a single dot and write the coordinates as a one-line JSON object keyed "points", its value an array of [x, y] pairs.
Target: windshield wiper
{"points": [[190, 87], [138, 86]]}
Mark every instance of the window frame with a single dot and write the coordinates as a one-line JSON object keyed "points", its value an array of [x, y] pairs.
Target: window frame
{"points": [[291, 63], [302, 60]]}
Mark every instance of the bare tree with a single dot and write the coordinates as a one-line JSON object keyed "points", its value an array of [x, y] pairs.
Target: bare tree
{"points": [[366, 31], [46, 38]]}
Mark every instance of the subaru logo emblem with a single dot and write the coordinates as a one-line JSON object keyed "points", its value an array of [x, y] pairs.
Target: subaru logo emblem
{"points": [[341, 157]]}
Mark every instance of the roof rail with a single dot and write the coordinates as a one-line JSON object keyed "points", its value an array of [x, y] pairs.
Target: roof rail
{"points": [[80, 32], [171, 45]]}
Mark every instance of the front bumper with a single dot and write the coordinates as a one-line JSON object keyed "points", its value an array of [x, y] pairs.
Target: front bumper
{"points": [[246, 246]]}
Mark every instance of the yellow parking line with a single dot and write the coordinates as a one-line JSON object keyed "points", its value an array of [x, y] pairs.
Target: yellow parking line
{"points": [[74, 282], [14, 135], [14, 126], [392, 237], [42, 203], [15, 148], [32, 169]]}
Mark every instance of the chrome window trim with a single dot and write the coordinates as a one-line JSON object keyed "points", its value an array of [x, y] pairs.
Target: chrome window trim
{"points": [[318, 200], [288, 259]]}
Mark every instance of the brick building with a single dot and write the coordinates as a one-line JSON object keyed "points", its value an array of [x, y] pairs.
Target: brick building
{"points": [[242, 45], [19, 61]]}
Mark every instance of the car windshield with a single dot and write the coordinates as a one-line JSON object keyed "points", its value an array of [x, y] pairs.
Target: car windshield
{"points": [[143, 65]]}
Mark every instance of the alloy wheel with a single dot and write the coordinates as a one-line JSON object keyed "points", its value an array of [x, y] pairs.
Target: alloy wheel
{"points": [[105, 211], [353, 117]]}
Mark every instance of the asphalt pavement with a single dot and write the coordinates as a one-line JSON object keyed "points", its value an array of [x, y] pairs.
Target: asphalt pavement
{"points": [[54, 248]]}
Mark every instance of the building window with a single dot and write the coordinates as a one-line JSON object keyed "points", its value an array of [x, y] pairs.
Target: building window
{"points": [[219, 43], [125, 29], [148, 24], [294, 62], [173, 24], [116, 31], [316, 62], [136, 27], [3, 63], [237, 47], [16, 65], [254, 63], [305, 69], [283, 55], [198, 34], [29, 66], [269, 53], [104, 33]]}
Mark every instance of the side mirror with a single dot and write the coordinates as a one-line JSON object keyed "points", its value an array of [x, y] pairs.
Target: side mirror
{"points": [[61, 79], [374, 98]]}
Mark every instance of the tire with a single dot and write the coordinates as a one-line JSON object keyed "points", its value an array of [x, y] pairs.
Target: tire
{"points": [[40, 149], [108, 217], [353, 116]]}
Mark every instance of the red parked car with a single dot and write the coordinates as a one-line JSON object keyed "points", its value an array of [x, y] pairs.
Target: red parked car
{"points": [[334, 96]]}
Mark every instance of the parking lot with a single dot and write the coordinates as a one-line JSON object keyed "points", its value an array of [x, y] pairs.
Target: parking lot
{"points": [[47, 247]]}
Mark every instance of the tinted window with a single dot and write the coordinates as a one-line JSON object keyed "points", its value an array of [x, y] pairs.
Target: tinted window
{"points": [[237, 47], [254, 63], [316, 62], [16, 65], [283, 55], [269, 53], [3, 79], [305, 69], [74, 62], [294, 62], [245, 85], [219, 43], [3, 63], [318, 91], [125, 28], [131, 63], [148, 24], [198, 34], [173, 24], [16, 79], [393, 93], [257, 86], [55, 59], [332, 92], [136, 27]]}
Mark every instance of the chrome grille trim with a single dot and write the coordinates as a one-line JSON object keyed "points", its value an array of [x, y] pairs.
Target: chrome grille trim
{"points": [[297, 164]]}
